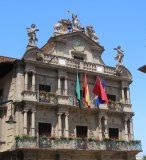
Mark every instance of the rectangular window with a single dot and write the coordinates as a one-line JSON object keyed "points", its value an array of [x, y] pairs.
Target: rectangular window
{"points": [[113, 133], [44, 129], [29, 80], [81, 131], [78, 57], [29, 117], [111, 97], [43, 93], [1, 95], [62, 84], [44, 88]]}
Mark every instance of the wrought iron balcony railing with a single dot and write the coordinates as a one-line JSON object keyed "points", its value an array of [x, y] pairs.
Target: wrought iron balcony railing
{"points": [[52, 98], [47, 97], [79, 144]]}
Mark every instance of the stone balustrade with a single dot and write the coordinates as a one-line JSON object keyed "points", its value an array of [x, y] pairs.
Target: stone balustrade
{"points": [[120, 107], [73, 63], [79, 144]]}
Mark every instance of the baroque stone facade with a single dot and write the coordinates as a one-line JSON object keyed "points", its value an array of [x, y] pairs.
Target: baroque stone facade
{"points": [[50, 124]]}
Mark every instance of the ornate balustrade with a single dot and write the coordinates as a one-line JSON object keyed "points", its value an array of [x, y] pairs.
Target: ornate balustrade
{"points": [[120, 107], [73, 63], [79, 144], [52, 98], [47, 97], [109, 70]]}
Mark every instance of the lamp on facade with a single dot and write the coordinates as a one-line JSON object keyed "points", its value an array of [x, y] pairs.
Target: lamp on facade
{"points": [[11, 119]]}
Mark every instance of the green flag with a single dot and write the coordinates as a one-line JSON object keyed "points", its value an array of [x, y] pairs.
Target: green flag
{"points": [[78, 89]]}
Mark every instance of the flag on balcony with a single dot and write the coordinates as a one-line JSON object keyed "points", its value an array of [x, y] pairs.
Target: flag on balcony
{"points": [[99, 90], [86, 96], [78, 94], [98, 100]]}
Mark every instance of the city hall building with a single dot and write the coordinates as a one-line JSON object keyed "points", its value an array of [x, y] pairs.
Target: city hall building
{"points": [[45, 113]]}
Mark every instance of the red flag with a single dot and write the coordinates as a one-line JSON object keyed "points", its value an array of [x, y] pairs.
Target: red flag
{"points": [[86, 95], [99, 90]]}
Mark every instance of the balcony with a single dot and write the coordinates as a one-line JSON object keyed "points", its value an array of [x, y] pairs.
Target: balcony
{"points": [[83, 65], [119, 107], [78, 144], [53, 99], [47, 97]]}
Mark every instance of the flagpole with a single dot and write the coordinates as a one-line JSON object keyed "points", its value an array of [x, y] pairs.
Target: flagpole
{"points": [[78, 86]]}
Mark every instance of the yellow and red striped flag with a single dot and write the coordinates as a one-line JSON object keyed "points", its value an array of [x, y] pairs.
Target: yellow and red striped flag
{"points": [[86, 95]]}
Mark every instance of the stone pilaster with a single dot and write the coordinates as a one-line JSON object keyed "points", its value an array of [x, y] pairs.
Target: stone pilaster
{"points": [[126, 129], [65, 85], [59, 125], [33, 123], [131, 130], [128, 95], [100, 128], [123, 97], [26, 81], [33, 81], [59, 87], [106, 128], [66, 125], [25, 122]]}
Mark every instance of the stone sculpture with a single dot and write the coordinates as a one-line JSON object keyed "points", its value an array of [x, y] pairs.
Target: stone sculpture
{"points": [[32, 35], [91, 33], [120, 55]]}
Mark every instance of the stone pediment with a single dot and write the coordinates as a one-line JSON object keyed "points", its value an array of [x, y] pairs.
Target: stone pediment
{"points": [[62, 50], [71, 45], [64, 38]]}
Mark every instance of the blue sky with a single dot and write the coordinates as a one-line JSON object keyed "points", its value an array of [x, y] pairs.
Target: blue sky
{"points": [[116, 22]]}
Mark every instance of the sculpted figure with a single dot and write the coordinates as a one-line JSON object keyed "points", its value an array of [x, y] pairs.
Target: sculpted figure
{"points": [[75, 20], [62, 26], [58, 27], [66, 24], [32, 34], [91, 33], [120, 55]]}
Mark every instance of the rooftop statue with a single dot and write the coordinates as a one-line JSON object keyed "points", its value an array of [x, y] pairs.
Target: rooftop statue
{"points": [[75, 20], [75, 23], [91, 33], [120, 55], [32, 35], [62, 26]]}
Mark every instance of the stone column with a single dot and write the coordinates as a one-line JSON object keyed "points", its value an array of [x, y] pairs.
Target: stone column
{"points": [[33, 123], [66, 125], [26, 81], [126, 130], [33, 81], [131, 130], [25, 122], [65, 85], [123, 97], [59, 125], [106, 128], [128, 95], [59, 87], [19, 84], [17, 119], [99, 128]]}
